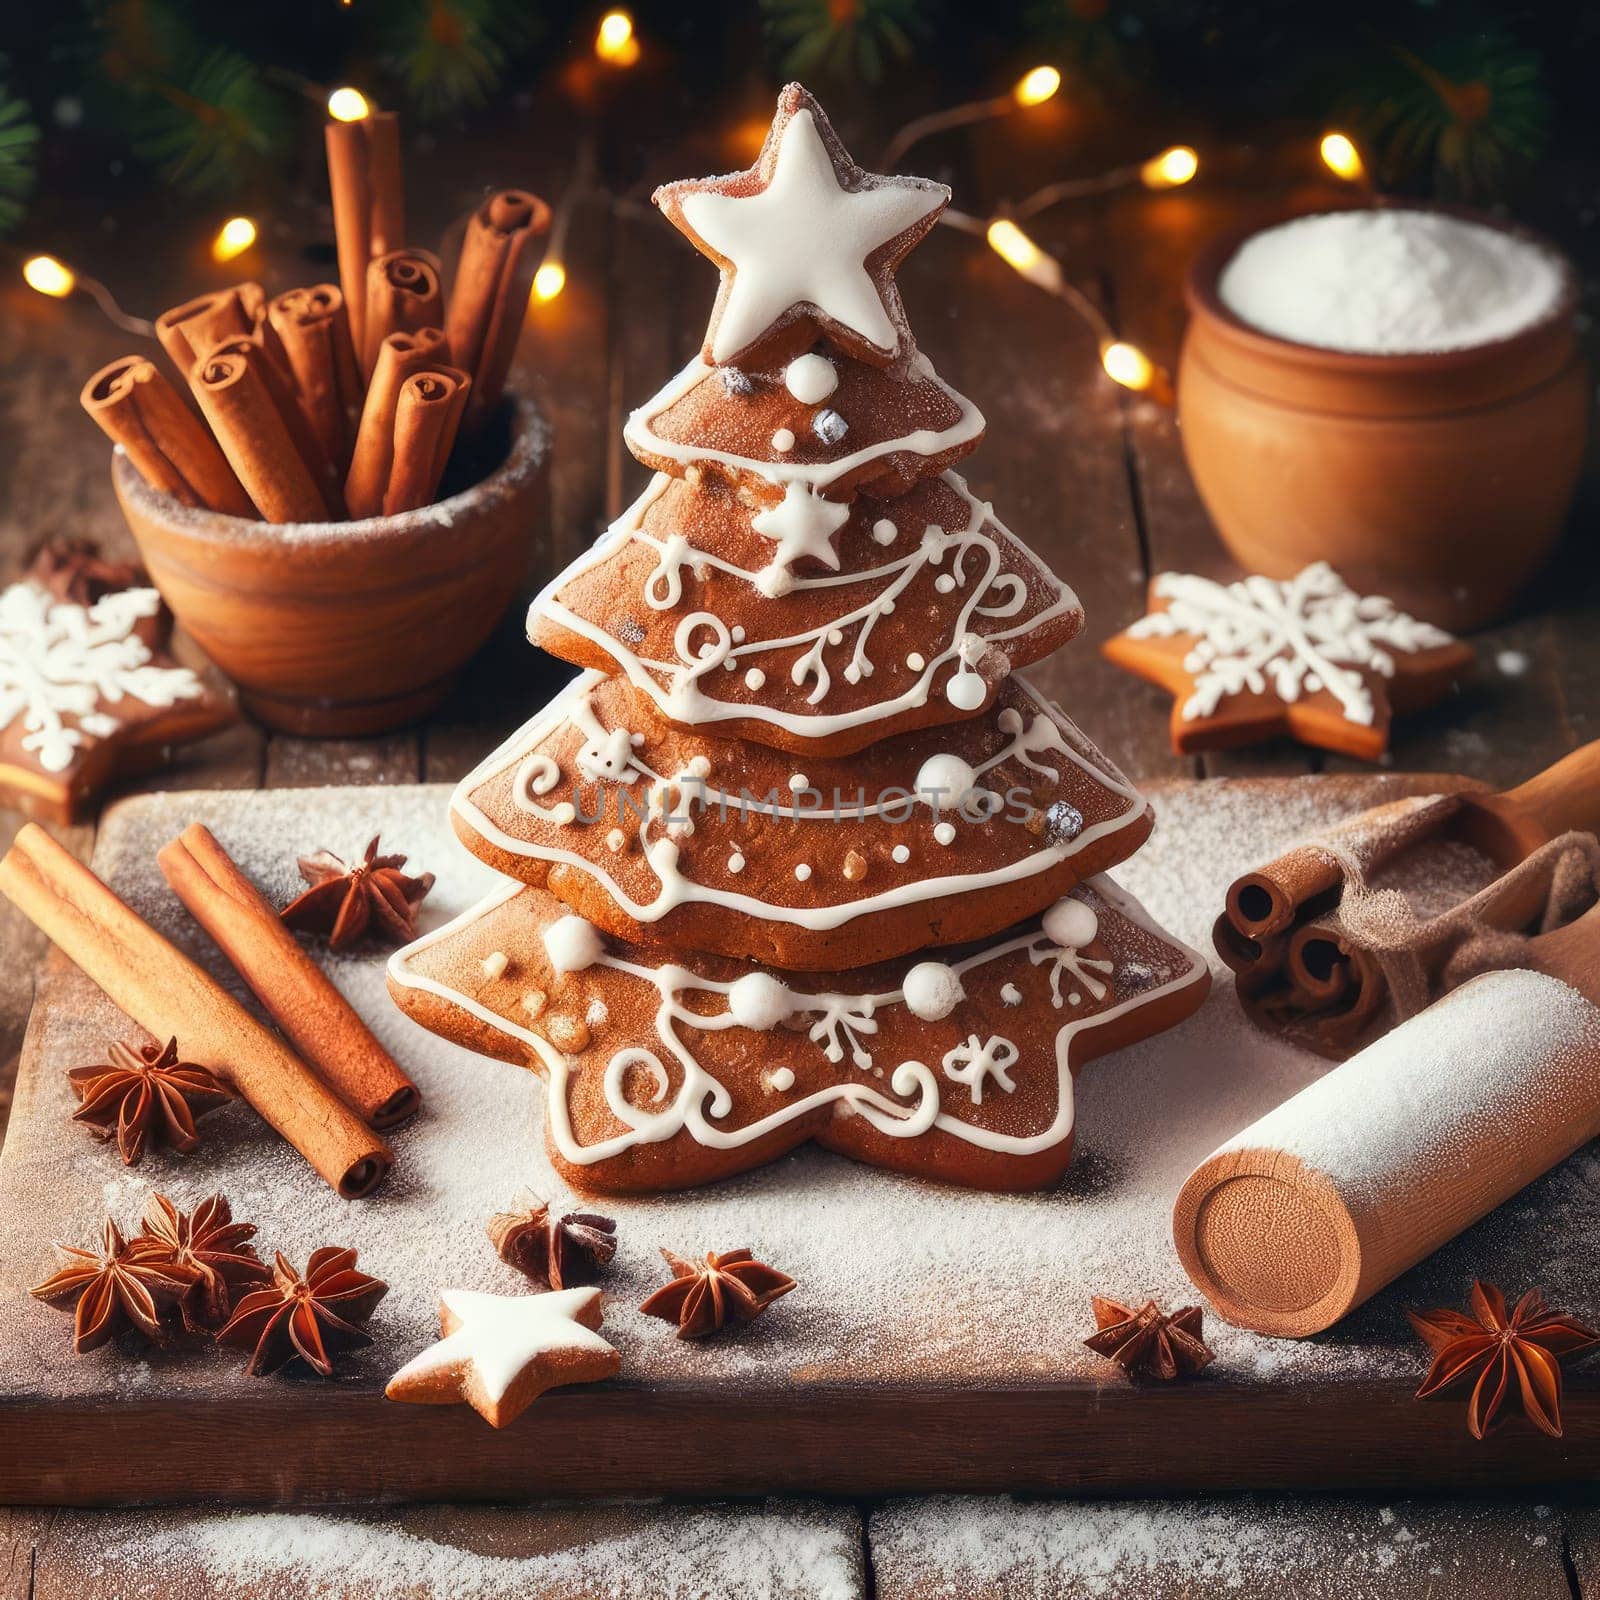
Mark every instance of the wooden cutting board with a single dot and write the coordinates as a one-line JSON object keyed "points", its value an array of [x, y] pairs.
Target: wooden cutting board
{"points": [[934, 1342]]}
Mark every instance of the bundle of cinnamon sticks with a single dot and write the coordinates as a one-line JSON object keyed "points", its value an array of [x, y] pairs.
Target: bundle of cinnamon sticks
{"points": [[324, 1083], [334, 400]]}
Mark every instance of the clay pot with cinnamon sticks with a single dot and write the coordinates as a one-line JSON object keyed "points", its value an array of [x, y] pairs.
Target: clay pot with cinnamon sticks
{"points": [[1325, 955], [354, 627], [1309, 1211]]}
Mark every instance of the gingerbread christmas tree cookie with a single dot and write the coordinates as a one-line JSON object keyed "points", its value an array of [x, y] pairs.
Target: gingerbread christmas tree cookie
{"points": [[802, 856], [1309, 657]]}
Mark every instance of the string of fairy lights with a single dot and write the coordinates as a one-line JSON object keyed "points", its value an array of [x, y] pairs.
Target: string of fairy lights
{"points": [[617, 47]]}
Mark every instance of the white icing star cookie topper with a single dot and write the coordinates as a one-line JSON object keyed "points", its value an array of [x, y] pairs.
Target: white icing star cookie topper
{"points": [[808, 243]]}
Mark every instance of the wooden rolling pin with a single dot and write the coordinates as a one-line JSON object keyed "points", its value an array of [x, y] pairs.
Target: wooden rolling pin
{"points": [[1300, 971], [1311, 1210]]}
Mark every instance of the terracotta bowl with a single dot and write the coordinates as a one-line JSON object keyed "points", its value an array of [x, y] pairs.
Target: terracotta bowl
{"points": [[337, 628], [1441, 480]]}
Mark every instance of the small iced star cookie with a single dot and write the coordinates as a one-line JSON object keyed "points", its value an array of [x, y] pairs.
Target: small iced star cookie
{"points": [[1309, 657], [498, 1353]]}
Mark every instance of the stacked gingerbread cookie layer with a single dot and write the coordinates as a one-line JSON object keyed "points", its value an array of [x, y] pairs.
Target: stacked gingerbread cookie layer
{"points": [[802, 855]]}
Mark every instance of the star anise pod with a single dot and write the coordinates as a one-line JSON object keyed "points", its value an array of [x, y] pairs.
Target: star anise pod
{"points": [[1519, 1354], [1147, 1342], [313, 1317], [75, 570], [211, 1248], [150, 1096], [118, 1286], [703, 1297], [347, 903], [558, 1252]]}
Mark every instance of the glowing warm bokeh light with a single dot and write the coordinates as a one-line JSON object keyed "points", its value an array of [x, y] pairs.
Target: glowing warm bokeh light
{"points": [[1035, 87], [614, 40], [1012, 245], [348, 105], [1128, 365], [1341, 158], [49, 276], [549, 280], [1172, 167], [234, 237]]}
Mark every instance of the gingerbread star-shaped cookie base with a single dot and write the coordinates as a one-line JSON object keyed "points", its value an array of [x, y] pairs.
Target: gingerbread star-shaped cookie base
{"points": [[1308, 657], [808, 242], [498, 1353]]}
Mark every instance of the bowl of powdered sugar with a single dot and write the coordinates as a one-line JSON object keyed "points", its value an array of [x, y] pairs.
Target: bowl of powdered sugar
{"points": [[1395, 389]]}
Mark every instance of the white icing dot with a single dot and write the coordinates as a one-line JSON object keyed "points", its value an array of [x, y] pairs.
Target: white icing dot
{"points": [[944, 781], [1071, 923], [965, 691], [754, 678], [797, 782], [780, 1078], [615, 840], [495, 964], [945, 833], [901, 854], [802, 872], [783, 440], [1011, 994], [759, 1001], [932, 990], [852, 673], [573, 944], [916, 661], [883, 530], [730, 665], [944, 583], [736, 862], [835, 637], [563, 813], [738, 633], [811, 378]]}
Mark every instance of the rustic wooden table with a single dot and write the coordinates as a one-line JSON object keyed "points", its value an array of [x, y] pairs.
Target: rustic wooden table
{"points": [[1093, 478]]}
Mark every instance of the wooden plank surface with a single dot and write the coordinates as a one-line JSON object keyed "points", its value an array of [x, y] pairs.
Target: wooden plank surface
{"points": [[965, 1549], [958, 1365], [781, 1550]]}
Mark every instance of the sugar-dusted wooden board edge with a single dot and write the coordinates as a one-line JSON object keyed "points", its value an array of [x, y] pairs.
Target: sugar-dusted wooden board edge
{"points": [[961, 1549], [349, 1446]]}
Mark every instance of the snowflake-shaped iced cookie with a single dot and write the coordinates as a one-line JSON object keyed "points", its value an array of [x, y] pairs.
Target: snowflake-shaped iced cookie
{"points": [[1309, 657], [84, 689]]}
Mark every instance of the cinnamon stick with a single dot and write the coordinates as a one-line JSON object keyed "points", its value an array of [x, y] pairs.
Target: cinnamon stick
{"points": [[314, 328], [499, 256], [169, 996], [318, 1020], [368, 204], [403, 295], [400, 355], [426, 418], [198, 326], [243, 400], [137, 407]]}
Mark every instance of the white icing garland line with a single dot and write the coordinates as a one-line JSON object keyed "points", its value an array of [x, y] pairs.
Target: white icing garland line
{"points": [[680, 698], [699, 1086], [662, 854], [640, 436]]}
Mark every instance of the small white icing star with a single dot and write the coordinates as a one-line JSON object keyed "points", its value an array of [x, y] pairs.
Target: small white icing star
{"points": [[802, 524], [499, 1353]]}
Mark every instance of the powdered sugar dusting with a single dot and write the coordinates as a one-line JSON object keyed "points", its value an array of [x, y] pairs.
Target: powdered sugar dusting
{"points": [[961, 1547], [971, 1287], [777, 1551]]}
